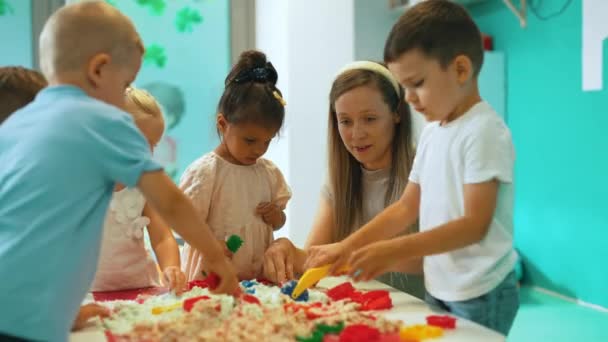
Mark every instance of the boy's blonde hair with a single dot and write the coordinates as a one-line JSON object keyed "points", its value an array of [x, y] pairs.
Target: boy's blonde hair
{"points": [[142, 105], [77, 32]]}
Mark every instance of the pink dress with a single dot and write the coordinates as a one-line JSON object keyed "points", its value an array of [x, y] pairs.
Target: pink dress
{"points": [[124, 262], [226, 196]]}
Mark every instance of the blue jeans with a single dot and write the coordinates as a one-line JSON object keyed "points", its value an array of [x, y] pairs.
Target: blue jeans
{"points": [[495, 309]]}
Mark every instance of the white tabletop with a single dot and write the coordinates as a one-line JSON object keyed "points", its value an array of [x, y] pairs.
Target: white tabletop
{"points": [[406, 308]]}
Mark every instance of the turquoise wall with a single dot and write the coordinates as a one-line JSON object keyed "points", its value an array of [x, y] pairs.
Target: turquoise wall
{"points": [[187, 59], [561, 211], [16, 32]]}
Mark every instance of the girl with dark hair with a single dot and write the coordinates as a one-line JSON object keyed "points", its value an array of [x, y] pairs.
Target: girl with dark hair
{"points": [[234, 189]]}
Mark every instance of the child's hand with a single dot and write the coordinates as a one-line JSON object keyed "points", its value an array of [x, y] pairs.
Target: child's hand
{"points": [[227, 251], [175, 278], [373, 260], [333, 253], [271, 214], [224, 269], [87, 312]]}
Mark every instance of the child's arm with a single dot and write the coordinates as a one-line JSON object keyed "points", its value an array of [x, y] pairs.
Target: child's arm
{"points": [[87, 312], [390, 222], [166, 251], [479, 204], [273, 212], [178, 211]]}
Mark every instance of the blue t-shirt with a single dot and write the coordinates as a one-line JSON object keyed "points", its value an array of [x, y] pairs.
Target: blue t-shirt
{"points": [[60, 157]]}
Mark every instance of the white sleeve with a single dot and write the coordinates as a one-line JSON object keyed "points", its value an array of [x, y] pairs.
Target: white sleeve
{"points": [[489, 153]]}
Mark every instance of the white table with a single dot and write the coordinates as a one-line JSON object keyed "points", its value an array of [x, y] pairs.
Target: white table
{"points": [[406, 308]]}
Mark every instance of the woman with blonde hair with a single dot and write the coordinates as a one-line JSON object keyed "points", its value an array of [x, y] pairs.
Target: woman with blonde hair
{"points": [[370, 153]]}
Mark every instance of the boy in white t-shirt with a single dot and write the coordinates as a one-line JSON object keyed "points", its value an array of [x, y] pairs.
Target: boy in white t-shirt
{"points": [[461, 184]]}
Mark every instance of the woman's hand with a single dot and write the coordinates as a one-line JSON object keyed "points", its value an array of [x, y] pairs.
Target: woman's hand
{"points": [[279, 260]]}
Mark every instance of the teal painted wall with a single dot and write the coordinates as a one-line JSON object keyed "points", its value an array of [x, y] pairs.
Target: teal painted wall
{"points": [[561, 211], [16, 32], [187, 59]]}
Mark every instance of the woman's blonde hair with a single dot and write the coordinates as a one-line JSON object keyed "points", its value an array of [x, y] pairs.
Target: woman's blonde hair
{"points": [[142, 105], [345, 176]]}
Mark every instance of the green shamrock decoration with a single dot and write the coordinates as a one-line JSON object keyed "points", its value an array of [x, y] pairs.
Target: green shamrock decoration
{"points": [[5, 8], [157, 7], [187, 18], [155, 54]]}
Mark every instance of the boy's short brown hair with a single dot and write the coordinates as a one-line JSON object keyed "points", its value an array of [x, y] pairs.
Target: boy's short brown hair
{"points": [[18, 87], [440, 29]]}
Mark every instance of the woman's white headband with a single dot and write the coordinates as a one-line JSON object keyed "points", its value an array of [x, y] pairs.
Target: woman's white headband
{"points": [[375, 67]]}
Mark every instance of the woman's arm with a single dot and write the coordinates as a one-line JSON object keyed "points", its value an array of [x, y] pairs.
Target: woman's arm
{"points": [[283, 260], [324, 228]]}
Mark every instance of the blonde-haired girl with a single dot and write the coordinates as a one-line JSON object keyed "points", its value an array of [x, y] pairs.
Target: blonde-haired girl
{"points": [[124, 262]]}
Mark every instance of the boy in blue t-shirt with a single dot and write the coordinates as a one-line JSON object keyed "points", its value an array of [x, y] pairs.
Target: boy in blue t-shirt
{"points": [[61, 156]]}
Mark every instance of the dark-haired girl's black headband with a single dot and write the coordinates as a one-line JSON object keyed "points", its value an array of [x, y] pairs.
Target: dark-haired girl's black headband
{"points": [[263, 74]]}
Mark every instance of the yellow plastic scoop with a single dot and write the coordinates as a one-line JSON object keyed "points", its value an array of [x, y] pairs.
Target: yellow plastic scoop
{"points": [[157, 310], [311, 277]]}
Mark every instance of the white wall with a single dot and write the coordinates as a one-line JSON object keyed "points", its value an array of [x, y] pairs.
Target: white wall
{"points": [[307, 41], [272, 38]]}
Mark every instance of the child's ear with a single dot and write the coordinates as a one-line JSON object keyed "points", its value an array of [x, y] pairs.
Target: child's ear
{"points": [[221, 122], [96, 67], [464, 68]]}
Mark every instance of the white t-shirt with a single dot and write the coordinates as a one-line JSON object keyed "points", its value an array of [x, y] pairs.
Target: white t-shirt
{"points": [[474, 148]]}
